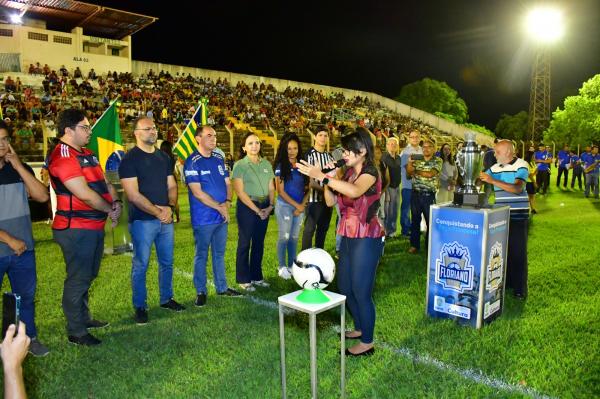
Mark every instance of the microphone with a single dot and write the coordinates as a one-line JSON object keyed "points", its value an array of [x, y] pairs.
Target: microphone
{"points": [[338, 160]]}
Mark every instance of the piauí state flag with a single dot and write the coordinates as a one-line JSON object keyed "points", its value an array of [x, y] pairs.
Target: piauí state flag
{"points": [[106, 135], [187, 142]]}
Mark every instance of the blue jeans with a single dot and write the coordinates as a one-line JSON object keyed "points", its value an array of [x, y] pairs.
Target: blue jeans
{"points": [[289, 231], [419, 205], [356, 277], [215, 236], [22, 277], [143, 234], [591, 182], [390, 210], [405, 211], [251, 243]]}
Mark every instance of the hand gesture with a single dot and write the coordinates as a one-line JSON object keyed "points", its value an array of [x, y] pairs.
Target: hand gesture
{"points": [[114, 215], [14, 349], [313, 171], [17, 245], [12, 158], [484, 177], [224, 211], [166, 214]]}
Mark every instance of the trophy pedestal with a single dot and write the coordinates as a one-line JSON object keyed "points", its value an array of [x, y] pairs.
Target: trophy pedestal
{"points": [[469, 199]]}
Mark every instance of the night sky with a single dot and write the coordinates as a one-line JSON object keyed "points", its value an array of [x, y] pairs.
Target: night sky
{"points": [[478, 47]]}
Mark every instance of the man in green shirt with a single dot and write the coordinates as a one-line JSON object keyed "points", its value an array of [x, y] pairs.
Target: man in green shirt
{"points": [[425, 178]]}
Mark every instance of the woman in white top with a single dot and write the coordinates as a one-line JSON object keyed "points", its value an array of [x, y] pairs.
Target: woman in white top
{"points": [[448, 176]]}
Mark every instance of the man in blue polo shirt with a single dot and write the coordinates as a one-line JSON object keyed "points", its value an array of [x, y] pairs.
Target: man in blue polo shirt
{"points": [[591, 167], [508, 176], [209, 191], [543, 159], [577, 169], [563, 161]]}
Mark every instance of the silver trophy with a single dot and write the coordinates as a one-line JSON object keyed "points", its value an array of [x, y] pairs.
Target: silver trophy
{"points": [[469, 161]]}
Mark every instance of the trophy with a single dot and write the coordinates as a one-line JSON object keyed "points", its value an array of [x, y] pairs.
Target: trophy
{"points": [[469, 161]]}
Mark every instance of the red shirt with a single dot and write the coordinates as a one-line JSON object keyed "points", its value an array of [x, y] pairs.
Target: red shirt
{"points": [[359, 215], [65, 163]]}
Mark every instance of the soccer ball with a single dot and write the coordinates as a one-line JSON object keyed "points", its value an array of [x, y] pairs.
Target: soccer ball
{"points": [[313, 269]]}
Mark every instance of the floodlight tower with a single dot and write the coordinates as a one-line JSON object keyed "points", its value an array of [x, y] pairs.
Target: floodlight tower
{"points": [[545, 26]]}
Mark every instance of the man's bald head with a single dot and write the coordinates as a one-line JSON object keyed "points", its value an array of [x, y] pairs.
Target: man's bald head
{"points": [[504, 151]]}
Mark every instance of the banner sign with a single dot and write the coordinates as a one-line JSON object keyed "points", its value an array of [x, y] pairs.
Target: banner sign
{"points": [[466, 265]]}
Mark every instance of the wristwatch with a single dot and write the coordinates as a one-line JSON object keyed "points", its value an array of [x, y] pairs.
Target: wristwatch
{"points": [[325, 181]]}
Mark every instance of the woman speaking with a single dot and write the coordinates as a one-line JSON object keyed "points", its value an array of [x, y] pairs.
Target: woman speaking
{"points": [[357, 193]]}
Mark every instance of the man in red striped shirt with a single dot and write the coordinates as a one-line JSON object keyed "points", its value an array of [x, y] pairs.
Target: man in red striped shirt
{"points": [[84, 200]]}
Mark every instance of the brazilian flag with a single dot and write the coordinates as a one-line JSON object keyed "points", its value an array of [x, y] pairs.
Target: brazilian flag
{"points": [[106, 135], [187, 142]]}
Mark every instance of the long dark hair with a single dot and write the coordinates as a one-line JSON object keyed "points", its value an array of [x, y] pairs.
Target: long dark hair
{"points": [[529, 156], [449, 158], [360, 140], [282, 157], [242, 154]]}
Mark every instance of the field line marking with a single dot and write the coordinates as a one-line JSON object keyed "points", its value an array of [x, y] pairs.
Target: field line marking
{"points": [[476, 376]]}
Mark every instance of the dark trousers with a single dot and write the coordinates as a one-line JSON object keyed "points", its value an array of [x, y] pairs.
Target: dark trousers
{"points": [[22, 278], [562, 170], [318, 217], [516, 268], [577, 172], [82, 250], [356, 277], [419, 205], [251, 243], [543, 180]]}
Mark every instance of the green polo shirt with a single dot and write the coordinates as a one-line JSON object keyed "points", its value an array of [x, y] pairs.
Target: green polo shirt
{"points": [[256, 177]]}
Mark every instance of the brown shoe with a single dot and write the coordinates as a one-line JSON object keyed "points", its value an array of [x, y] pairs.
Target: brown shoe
{"points": [[413, 250]]}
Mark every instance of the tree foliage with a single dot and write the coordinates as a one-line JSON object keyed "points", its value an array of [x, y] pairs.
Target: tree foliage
{"points": [[513, 127], [434, 96], [578, 122]]}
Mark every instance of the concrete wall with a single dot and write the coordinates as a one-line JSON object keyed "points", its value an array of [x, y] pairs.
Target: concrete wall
{"points": [[70, 55]]}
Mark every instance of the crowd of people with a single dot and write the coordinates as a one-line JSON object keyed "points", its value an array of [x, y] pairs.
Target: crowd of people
{"points": [[370, 189], [171, 101]]}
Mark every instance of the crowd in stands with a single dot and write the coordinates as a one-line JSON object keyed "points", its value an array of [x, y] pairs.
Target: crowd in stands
{"points": [[171, 101]]}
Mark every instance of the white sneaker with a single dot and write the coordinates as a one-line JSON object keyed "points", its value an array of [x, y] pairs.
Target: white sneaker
{"points": [[284, 273], [261, 283], [248, 287]]}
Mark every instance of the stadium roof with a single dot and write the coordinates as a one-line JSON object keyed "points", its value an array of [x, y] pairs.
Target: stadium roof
{"points": [[95, 20]]}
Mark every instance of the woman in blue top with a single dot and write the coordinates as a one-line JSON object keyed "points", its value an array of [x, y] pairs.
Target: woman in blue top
{"points": [[292, 188]]}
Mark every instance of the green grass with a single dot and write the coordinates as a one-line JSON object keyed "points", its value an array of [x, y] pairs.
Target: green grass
{"points": [[548, 344]]}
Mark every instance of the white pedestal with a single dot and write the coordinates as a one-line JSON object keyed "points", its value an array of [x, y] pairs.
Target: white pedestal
{"points": [[289, 300]]}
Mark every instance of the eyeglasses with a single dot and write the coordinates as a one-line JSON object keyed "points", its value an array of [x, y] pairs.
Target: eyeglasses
{"points": [[148, 129], [86, 128]]}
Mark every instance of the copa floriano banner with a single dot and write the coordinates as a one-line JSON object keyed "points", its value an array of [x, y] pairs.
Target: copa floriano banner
{"points": [[467, 263]]}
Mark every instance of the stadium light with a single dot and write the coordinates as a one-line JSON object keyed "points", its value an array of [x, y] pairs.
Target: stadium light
{"points": [[16, 19], [545, 24]]}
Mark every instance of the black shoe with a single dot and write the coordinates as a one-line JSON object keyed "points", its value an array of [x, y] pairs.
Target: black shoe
{"points": [[85, 340], [200, 300], [368, 352], [141, 316], [97, 324], [172, 305], [230, 292]]}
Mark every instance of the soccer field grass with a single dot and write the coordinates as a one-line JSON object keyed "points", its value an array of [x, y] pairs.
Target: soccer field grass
{"points": [[547, 345]]}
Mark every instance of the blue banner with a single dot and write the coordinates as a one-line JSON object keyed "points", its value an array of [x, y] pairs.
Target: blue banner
{"points": [[466, 266]]}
